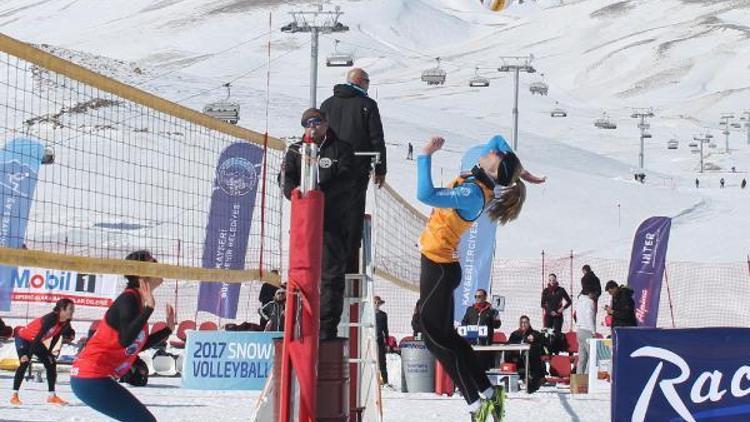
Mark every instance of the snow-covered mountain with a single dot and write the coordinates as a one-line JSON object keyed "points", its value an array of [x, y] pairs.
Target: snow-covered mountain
{"points": [[688, 59]]}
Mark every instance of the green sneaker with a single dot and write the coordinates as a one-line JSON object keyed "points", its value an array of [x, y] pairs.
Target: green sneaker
{"points": [[483, 413], [497, 404]]}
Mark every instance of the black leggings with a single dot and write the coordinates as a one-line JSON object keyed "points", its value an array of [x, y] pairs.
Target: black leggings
{"points": [[436, 285], [41, 352]]}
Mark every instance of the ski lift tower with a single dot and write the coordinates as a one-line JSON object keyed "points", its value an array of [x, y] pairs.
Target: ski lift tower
{"points": [[724, 123], [316, 23], [701, 139], [643, 114], [516, 65], [746, 118]]}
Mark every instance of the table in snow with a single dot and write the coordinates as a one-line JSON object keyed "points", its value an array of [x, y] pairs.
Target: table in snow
{"points": [[522, 348]]}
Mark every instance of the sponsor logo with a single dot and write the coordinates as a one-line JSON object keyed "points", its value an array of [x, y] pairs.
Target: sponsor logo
{"points": [[713, 386], [237, 176], [325, 163]]}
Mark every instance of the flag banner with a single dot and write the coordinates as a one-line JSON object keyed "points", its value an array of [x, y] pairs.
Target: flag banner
{"points": [[475, 251], [19, 167], [647, 268], [228, 228]]}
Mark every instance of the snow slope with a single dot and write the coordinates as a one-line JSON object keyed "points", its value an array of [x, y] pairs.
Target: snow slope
{"points": [[685, 58]]}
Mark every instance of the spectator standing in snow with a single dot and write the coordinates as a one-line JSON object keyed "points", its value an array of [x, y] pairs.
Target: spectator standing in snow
{"points": [[381, 326], [585, 316], [743, 184], [622, 309], [273, 312], [552, 304], [697, 183], [410, 153], [721, 183], [590, 282]]}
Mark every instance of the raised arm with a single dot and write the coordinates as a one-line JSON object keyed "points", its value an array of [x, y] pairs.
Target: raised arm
{"points": [[467, 197]]}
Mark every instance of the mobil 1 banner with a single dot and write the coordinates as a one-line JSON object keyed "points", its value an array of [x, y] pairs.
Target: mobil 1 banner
{"points": [[228, 360], [690, 375]]}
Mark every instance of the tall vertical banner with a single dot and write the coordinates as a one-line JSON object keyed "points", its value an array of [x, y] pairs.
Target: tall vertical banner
{"points": [[647, 268], [475, 251], [228, 228], [19, 165]]}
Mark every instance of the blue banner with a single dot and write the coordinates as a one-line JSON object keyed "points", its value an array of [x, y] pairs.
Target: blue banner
{"points": [[228, 228], [475, 251], [19, 165], [681, 375], [647, 268], [228, 360]]}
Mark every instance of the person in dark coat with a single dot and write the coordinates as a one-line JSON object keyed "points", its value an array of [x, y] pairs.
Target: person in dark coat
{"points": [[336, 181], [622, 309], [381, 327], [273, 312], [355, 118], [527, 335], [552, 304], [415, 327], [267, 292], [483, 315], [590, 282]]}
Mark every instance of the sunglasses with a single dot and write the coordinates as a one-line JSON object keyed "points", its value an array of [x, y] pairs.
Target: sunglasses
{"points": [[478, 297], [315, 121]]}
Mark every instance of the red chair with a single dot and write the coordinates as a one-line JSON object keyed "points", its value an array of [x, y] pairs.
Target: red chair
{"points": [[560, 369], [572, 339], [392, 345], [181, 335], [498, 337], [158, 326], [208, 326]]}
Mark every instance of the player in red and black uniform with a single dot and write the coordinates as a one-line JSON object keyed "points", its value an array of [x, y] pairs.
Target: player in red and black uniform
{"points": [[109, 354], [29, 341]]}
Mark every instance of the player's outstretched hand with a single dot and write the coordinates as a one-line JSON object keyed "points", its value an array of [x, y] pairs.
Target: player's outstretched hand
{"points": [[433, 145]]}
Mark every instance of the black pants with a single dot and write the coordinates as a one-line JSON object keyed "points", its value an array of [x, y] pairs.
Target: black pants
{"points": [[41, 352], [382, 362], [436, 285], [554, 322], [332, 280], [355, 222]]}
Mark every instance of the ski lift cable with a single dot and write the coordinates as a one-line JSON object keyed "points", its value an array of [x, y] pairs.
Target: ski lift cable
{"points": [[243, 75], [207, 57]]}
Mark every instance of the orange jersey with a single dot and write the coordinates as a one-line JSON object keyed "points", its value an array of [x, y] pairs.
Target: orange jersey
{"points": [[440, 239]]}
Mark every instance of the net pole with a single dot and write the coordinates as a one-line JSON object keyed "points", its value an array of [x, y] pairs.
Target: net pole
{"points": [[669, 296], [572, 287]]}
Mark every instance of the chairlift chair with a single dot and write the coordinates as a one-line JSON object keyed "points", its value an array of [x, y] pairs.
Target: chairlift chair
{"points": [[673, 144], [540, 88], [49, 155], [736, 125], [228, 111], [478, 81], [434, 76], [647, 135], [338, 59], [693, 145], [605, 122], [712, 145]]}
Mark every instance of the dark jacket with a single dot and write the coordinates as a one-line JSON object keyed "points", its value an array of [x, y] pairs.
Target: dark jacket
{"points": [[381, 326], [356, 120], [552, 299], [274, 313], [335, 171], [590, 283], [623, 308], [484, 316]]}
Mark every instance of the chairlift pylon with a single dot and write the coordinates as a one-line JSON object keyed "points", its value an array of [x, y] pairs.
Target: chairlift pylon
{"points": [[434, 76], [477, 81], [226, 110], [338, 59]]}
